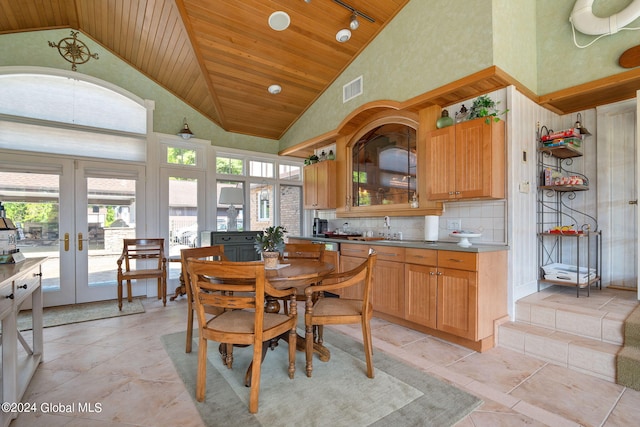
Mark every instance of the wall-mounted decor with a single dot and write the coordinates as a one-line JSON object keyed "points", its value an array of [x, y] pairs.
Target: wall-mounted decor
{"points": [[74, 50]]}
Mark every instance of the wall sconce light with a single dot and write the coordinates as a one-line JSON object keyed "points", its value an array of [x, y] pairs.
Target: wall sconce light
{"points": [[231, 196], [578, 125], [185, 132]]}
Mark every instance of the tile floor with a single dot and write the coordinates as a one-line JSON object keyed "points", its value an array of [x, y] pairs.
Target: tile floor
{"points": [[121, 363]]}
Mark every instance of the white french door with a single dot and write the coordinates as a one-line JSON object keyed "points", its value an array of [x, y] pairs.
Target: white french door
{"points": [[75, 213]]}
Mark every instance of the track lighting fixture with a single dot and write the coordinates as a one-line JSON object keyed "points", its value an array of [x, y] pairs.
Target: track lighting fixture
{"points": [[343, 35], [353, 23]]}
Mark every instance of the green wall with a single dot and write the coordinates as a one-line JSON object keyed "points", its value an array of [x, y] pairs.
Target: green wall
{"points": [[32, 49], [560, 63]]}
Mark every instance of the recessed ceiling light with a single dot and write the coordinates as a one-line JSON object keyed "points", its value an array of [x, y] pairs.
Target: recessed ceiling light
{"points": [[279, 20], [343, 35], [275, 89]]}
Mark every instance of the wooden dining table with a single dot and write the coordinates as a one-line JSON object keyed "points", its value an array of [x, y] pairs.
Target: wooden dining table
{"points": [[293, 273]]}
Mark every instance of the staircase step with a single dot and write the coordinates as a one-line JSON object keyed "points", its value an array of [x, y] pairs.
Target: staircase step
{"points": [[632, 329], [600, 316], [628, 364], [587, 355]]}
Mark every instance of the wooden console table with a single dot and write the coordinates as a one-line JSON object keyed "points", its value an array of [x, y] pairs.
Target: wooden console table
{"points": [[17, 283]]}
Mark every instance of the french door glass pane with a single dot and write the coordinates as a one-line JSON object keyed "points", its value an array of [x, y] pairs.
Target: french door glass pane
{"points": [[110, 218], [31, 201]]}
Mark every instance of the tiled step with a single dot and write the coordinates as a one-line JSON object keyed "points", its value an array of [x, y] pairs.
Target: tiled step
{"points": [[582, 354], [583, 334]]}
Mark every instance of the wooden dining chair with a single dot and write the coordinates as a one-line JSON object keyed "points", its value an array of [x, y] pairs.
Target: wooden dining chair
{"points": [[238, 289], [211, 253], [338, 311], [301, 251], [142, 259]]}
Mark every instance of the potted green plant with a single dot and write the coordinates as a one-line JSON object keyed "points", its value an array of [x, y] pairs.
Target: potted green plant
{"points": [[484, 106], [270, 244]]}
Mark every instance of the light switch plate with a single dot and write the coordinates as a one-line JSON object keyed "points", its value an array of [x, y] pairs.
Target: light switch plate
{"points": [[454, 224]]}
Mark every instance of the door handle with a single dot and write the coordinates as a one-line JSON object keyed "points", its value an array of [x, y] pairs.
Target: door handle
{"points": [[80, 240], [633, 202], [66, 242]]}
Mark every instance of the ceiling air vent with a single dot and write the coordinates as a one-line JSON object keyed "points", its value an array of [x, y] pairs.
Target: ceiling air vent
{"points": [[352, 89]]}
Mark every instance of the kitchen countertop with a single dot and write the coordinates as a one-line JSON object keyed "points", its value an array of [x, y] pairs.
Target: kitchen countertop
{"points": [[418, 244]]}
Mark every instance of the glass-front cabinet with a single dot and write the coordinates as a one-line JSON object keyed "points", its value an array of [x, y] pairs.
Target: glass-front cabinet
{"points": [[384, 166]]}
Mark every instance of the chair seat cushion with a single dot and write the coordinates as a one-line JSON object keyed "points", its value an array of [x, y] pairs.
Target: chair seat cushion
{"points": [[337, 307], [241, 321]]}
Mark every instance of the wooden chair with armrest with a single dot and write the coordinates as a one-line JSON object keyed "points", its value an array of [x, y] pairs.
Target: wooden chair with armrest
{"points": [[239, 290], [211, 253], [301, 251], [338, 311], [143, 259]]}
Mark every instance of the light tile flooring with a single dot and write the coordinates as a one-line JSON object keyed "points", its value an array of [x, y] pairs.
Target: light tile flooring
{"points": [[121, 364]]}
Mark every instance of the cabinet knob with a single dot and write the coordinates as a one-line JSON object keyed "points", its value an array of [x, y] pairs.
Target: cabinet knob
{"points": [[439, 273], [9, 296], [23, 286]]}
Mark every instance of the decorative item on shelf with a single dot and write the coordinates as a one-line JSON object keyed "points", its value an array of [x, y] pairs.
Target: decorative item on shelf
{"points": [[185, 132], [231, 196], [462, 115], [484, 106], [9, 253], [444, 120], [414, 201], [323, 156], [311, 160], [270, 244], [331, 156]]}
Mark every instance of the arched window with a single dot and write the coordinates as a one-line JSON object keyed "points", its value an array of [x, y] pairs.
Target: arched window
{"points": [[69, 113]]}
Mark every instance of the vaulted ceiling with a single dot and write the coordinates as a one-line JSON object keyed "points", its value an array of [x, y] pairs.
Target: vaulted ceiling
{"points": [[220, 56]]}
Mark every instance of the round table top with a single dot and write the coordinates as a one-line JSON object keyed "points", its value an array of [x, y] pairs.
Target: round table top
{"points": [[296, 272]]}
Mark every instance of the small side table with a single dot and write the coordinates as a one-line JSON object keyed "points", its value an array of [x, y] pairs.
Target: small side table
{"points": [[182, 289]]}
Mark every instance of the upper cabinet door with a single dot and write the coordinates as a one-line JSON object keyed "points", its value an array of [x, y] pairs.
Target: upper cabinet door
{"points": [[466, 161], [319, 185]]}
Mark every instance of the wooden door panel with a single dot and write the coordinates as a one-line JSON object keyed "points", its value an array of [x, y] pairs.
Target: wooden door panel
{"points": [[388, 288], [420, 294], [457, 296], [440, 160]]}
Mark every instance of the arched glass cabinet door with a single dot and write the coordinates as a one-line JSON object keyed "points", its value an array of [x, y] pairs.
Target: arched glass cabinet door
{"points": [[384, 166]]}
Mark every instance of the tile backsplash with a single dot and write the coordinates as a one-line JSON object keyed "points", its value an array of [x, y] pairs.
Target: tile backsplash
{"points": [[485, 217]]}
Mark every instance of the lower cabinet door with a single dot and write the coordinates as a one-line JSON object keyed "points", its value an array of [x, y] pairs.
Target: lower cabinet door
{"points": [[457, 302], [387, 295], [420, 294]]}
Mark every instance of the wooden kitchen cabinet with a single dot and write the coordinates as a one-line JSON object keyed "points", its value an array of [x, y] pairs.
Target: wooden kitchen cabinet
{"points": [[319, 188], [466, 161], [387, 294], [460, 294]]}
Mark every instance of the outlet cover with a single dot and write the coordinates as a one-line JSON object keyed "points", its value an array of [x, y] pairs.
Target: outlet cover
{"points": [[454, 224]]}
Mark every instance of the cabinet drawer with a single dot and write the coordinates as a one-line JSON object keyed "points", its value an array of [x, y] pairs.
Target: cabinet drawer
{"points": [[25, 285], [459, 260], [236, 239], [389, 253], [354, 250], [421, 256]]}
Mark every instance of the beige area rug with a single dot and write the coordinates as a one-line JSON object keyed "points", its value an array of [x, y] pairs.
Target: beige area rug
{"points": [[76, 313], [338, 394]]}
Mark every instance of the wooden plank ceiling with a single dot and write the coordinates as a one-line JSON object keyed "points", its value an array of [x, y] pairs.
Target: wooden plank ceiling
{"points": [[219, 56]]}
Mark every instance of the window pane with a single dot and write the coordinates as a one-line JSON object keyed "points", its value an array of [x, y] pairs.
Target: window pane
{"points": [[291, 209], [261, 169], [261, 202], [181, 156], [230, 217], [290, 172], [230, 166]]}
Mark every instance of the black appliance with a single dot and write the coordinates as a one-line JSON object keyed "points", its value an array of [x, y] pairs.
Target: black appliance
{"points": [[320, 226]]}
